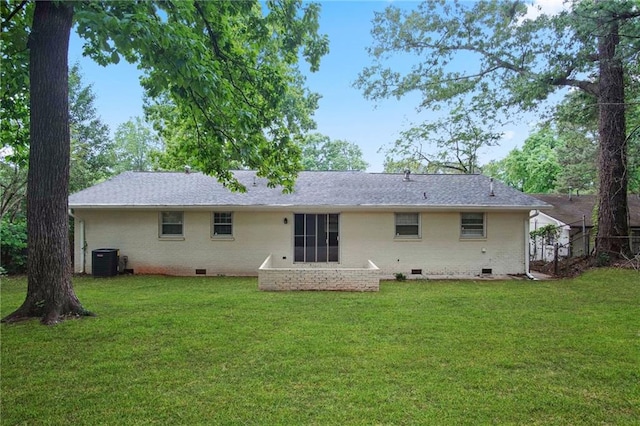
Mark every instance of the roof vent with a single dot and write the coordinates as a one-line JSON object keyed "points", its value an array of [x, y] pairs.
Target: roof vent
{"points": [[491, 193], [187, 169], [407, 174]]}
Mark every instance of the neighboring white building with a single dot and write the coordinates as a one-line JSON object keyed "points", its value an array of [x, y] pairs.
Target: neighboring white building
{"points": [[543, 247], [572, 215], [416, 225]]}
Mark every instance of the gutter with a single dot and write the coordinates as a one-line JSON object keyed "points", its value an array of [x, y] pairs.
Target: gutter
{"points": [[83, 247]]}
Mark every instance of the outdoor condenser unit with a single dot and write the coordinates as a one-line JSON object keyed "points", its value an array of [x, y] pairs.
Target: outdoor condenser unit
{"points": [[104, 262]]}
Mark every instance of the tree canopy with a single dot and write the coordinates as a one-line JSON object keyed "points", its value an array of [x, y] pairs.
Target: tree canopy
{"points": [[534, 168], [320, 152], [230, 68], [458, 138], [492, 56], [135, 146]]}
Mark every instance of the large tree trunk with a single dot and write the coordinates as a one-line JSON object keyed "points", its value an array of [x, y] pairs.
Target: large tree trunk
{"points": [[50, 295], [613, 224]]}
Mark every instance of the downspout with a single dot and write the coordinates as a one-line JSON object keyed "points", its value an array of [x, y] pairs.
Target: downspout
{"points": [[526, 246], [83, 244]]}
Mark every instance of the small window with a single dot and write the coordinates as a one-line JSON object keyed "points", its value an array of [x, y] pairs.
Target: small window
{"points": [[222, 224], [171, 224], [472, 225], [407, 225]]}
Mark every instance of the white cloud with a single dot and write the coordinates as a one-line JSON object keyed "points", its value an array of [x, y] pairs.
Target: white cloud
{"points": [[508, 135], [545, 7]]}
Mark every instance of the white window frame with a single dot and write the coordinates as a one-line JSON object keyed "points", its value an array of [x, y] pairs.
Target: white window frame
{"points": [[162, 223], [406, 215], [468, 233], [214, 224]]}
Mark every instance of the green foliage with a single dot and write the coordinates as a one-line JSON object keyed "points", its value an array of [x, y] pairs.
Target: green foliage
{"points": [[135, 146], [92, 156], [319, 152], [533, 168], [488, 55], [457, 138], [195, 350], [633, 131], [576, 120], [91, 149], [400, 276], [14, 80], [546, 233], [13, 189], [391, 165], [229, 69], [13, 244]]}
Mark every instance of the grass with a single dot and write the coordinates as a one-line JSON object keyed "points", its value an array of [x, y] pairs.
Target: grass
{"points": [[217, 351]]}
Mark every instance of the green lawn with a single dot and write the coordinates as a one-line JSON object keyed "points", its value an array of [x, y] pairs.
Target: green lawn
{"points": [[166, 350]]}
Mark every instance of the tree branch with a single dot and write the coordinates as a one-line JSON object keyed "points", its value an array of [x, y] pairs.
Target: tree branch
{"points": [[14, 12]]}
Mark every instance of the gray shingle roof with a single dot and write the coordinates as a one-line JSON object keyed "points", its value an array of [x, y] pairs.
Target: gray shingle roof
{"points": [[341, 189], [570, 211]]}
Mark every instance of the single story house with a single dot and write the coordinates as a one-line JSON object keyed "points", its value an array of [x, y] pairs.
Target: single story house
{"points": [[333, 225], [572, 215]]}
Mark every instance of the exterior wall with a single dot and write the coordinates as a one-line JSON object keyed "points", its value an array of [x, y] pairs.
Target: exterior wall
{"points": [[363, 236], [440, 251], [135, 234], [539, 249]]}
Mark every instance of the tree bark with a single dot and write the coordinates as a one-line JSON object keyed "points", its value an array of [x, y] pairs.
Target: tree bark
{"points": [[612, 200], [50, 294]]}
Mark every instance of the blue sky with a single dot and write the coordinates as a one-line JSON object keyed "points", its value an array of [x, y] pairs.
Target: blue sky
{"points": [[343, 113]]}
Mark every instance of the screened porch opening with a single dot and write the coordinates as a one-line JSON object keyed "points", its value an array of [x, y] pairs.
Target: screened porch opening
{"points": [[316, 237]]}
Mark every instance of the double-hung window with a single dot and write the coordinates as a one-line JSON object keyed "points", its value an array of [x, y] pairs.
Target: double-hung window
{"points": [[222, 225], [407, 225], [171, 224], [473, 225]]}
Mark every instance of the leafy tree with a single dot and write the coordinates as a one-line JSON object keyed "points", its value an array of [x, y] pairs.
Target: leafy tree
{"points": [[392, 165], [576, 119], [13, 186], [91, 145], [532, 169], [135, 146], [13, 235], [458, 139], [227, 65], [90, 150], [14, 81], [633, 127], [319, 152], [521, 62]]}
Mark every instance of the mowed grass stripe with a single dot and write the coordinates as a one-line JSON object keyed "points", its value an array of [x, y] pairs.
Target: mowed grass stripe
{"points": [[167, 350]]}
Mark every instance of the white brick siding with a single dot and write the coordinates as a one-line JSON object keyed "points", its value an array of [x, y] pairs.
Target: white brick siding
{"points": [[272, 278], [258, 234]]}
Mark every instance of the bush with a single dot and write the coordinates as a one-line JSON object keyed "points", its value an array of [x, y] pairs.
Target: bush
{"points": [[13, 243]]}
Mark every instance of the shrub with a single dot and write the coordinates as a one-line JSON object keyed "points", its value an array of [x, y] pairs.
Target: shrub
{"points": [[13, 243]]}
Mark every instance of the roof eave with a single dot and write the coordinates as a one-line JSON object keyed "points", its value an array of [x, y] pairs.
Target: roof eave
{"points": [[342, 207]]}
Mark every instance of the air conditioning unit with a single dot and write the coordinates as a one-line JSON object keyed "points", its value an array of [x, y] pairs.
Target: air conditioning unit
{"points": [[104, 262]]}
